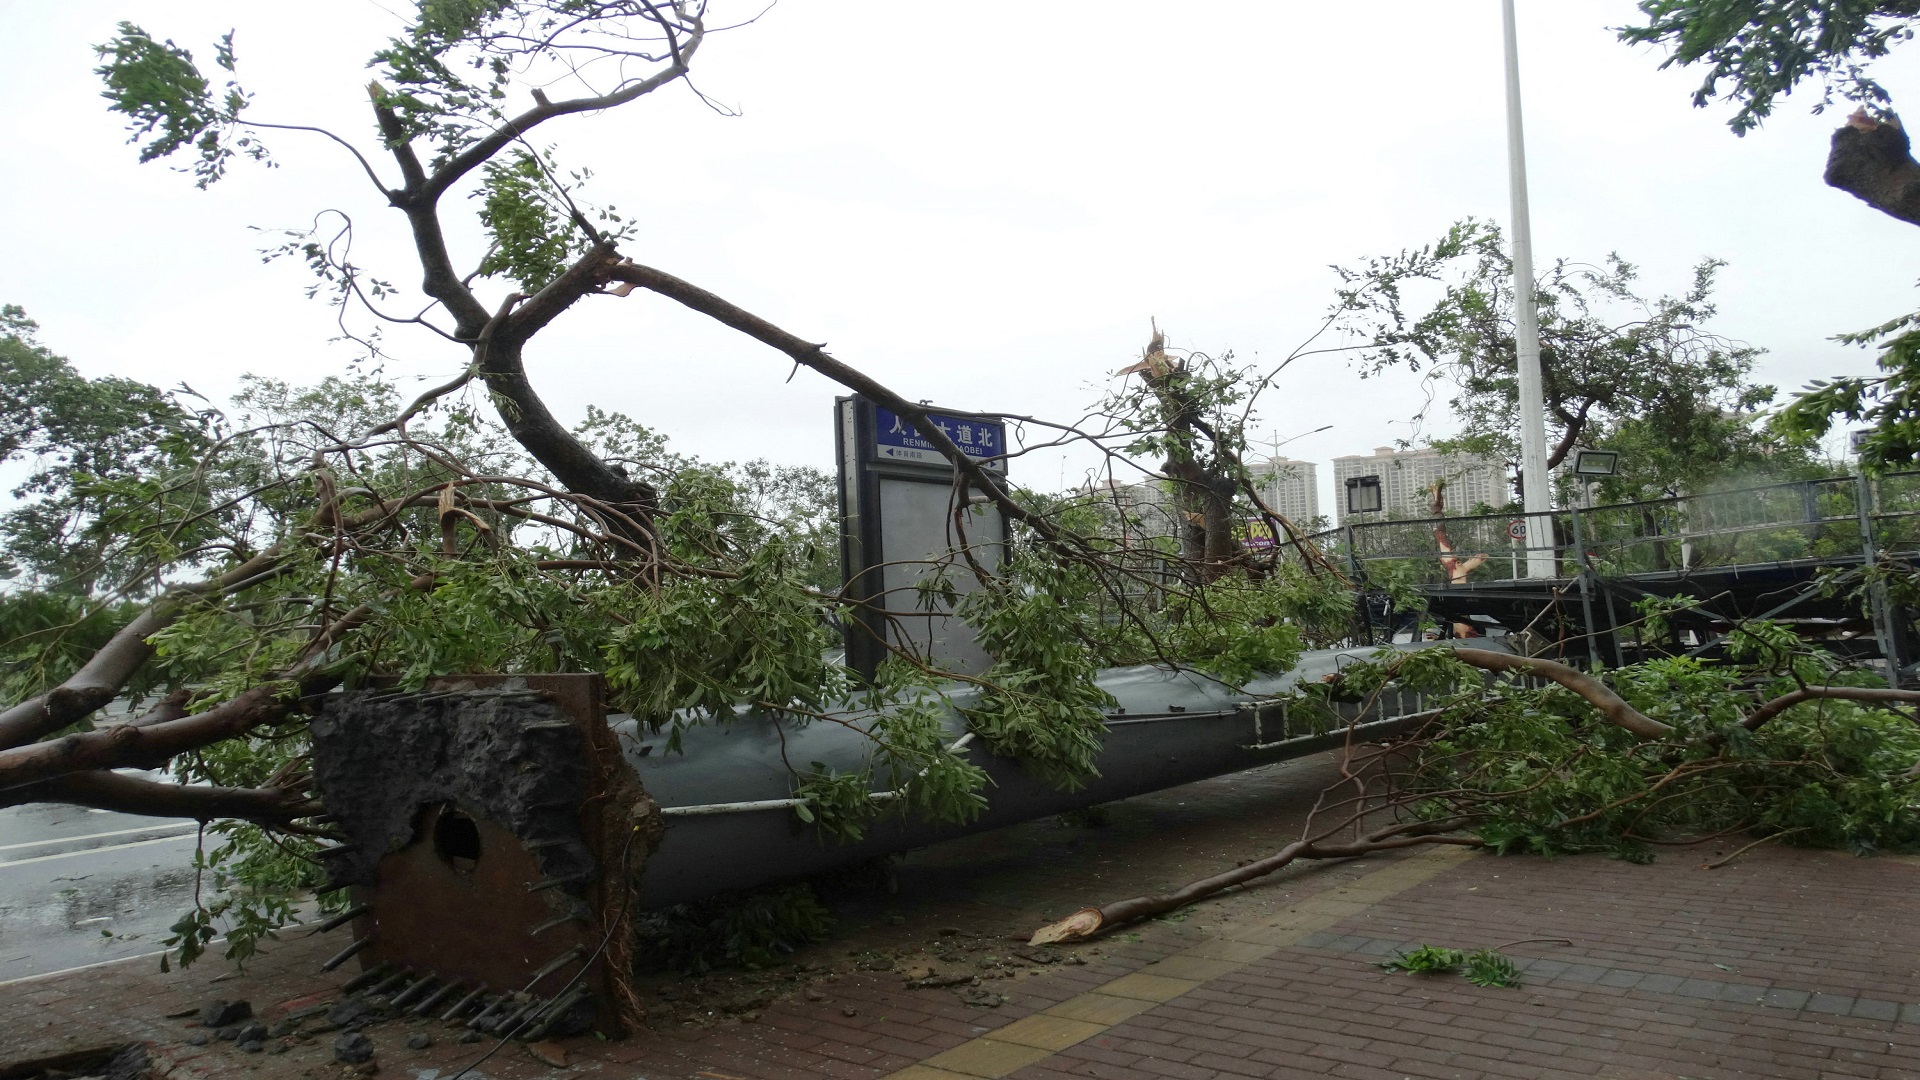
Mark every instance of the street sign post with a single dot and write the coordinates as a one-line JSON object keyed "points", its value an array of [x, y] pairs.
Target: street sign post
{"points": [[898, 497]]}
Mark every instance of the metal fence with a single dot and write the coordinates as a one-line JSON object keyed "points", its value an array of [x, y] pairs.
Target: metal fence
{"points": [[1830, 518]]}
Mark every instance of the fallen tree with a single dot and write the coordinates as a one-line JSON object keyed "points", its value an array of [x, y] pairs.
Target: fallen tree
{"points": [[1578, 766], [218, 575], [336, 534]]}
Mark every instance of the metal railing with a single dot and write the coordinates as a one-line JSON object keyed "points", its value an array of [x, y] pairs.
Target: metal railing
{"points": [[1830, 518]]}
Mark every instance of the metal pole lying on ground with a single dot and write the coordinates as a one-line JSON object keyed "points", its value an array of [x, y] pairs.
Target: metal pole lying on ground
{"points": [[1533, 429]]}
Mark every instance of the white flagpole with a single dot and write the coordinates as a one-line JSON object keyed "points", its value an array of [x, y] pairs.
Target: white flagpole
{"points": [[1533, 427]]}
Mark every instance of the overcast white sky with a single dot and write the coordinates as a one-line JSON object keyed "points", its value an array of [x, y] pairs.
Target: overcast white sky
{"points": [[982, 205]]}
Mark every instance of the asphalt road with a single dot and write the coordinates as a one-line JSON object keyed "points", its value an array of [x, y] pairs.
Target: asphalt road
{"points": [[81, 886]]}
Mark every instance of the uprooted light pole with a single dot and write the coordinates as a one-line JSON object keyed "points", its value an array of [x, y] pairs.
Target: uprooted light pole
{"points": [[1526, 328]]}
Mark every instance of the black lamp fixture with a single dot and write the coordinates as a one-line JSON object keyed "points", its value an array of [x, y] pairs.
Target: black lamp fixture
{"points": [[1364, 495], [1591, 463]]}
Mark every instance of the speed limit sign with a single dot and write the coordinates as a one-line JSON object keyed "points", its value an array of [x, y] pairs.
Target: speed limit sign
{"points": [[1517, 528]]}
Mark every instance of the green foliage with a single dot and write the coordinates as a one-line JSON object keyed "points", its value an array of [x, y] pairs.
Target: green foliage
{"points": [[704, 644], [749, 537], [445, 548], [1038, 702], [1426, 960], [88, 442], [170, 103], [1619, 370], [910, 770], [257, 880], [1400, 580], [841, 804], [1240, 627], [1178, 417], [427, 92], [752, 930], [1762, 49], [1889, 402], [447, 75], [525, 215], [1655, 611], [456, 552], [46, 636], [1485, 967], [1481, 967], [1536, 770], [1847, 786]]}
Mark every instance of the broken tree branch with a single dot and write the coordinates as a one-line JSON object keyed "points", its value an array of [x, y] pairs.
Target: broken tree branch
{"points": [[1871, 695], [1087, 922], [1611, 705], [812, 355], [148, 745], [101, 678], [109, 670], [102, 790], [1870, 159]]}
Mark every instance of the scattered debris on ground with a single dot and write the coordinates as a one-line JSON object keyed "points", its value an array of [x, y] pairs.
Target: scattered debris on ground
{"points": [[966, 964]]}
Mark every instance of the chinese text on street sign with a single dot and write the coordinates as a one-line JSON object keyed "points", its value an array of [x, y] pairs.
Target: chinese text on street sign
{"points": [[896, 439]]}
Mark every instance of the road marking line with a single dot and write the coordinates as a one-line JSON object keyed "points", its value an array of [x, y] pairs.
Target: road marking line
{"points": [[89, 836], [128, 959], [89, 967], [96, 850], [1099, 1010]]}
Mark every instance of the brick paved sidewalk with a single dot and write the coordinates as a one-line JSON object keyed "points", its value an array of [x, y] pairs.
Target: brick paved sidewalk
{"points": [[1784, 964]]}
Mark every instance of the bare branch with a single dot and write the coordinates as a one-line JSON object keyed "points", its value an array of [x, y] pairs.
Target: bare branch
{"points": [[431, 188], [1598, 694], [275, 806], [814, 356], [1087, 922], [1870, 695]]}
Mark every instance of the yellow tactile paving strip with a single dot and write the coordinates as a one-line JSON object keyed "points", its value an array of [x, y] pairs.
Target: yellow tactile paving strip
{"points": [[1097, 1011]]}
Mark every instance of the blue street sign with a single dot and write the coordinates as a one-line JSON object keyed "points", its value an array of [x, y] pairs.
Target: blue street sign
{"points": [[896, 439]]}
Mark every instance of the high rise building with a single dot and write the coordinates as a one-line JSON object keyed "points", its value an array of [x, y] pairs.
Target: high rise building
{"points": [[1144, 508], [1291, 488], [1407, 477]]}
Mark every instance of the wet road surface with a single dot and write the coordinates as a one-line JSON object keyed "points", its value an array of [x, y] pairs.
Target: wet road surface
{"points": [[80, 886]]}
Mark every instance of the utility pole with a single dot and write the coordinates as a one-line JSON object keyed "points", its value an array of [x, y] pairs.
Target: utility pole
{"points": [[1533, 424]]}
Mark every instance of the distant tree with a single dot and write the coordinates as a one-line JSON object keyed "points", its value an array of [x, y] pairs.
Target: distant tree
{"points": [[1619, 370], [79, 438]]}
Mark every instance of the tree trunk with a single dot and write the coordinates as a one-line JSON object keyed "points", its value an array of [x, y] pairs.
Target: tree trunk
{"points": [[1222, 546], [1870, 160], [1650, 527]]}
